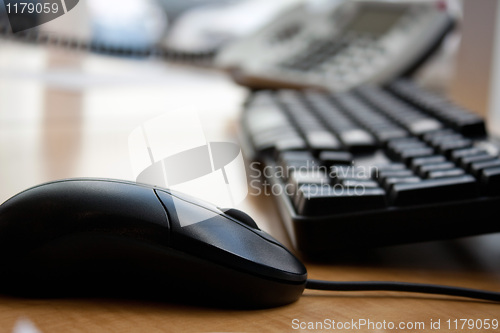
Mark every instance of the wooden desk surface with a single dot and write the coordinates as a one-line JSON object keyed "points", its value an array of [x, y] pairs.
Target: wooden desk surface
{"points": [[67, 115]]}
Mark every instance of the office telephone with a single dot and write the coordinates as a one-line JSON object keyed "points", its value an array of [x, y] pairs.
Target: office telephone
{"points": [[352, 43]]}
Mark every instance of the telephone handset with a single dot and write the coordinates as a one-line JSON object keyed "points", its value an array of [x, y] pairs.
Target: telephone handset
{"points": [[353, 43]]}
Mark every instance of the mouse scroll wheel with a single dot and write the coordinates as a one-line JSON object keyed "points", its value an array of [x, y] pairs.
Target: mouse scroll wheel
{"points": [[241, 216]]}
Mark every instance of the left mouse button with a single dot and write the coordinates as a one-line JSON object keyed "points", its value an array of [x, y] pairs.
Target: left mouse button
{"points": [[182, 212]]}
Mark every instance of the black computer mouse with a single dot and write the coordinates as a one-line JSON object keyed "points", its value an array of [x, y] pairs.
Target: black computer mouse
{"points": [[100, 237]]}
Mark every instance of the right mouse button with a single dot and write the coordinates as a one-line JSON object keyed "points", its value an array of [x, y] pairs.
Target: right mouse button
{"points": [[241, 217]]}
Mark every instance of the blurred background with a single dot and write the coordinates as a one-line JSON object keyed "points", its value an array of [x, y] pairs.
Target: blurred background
{"points": [[463, 67]]}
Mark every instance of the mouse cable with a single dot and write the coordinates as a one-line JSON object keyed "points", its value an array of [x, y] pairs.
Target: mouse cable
{"points": [[404, 287]]}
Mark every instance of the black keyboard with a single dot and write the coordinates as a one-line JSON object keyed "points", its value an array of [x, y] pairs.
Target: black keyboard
{"points": [[373, 166]]}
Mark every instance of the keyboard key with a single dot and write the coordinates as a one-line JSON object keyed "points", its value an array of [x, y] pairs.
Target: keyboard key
{"points": [[471, 127], [330, 158], [290, 161], [428, 137], [322, 140], [394, 173], [408, 155], [292, 143], [423, 126], [490, 178], [400, 145], [423, 170], [389, 167], [385, 134], [262, 118], [316, 201], [357, 139], [436, 140], [363, 183], [434, 190], [300, 178], [269, 140], [302, 155], [444, 173], [390, 181], [376, 169], [309, 177], [288, 156]]}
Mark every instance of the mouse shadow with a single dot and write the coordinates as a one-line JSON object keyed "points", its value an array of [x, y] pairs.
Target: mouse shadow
{"points": [[130, 299]]}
